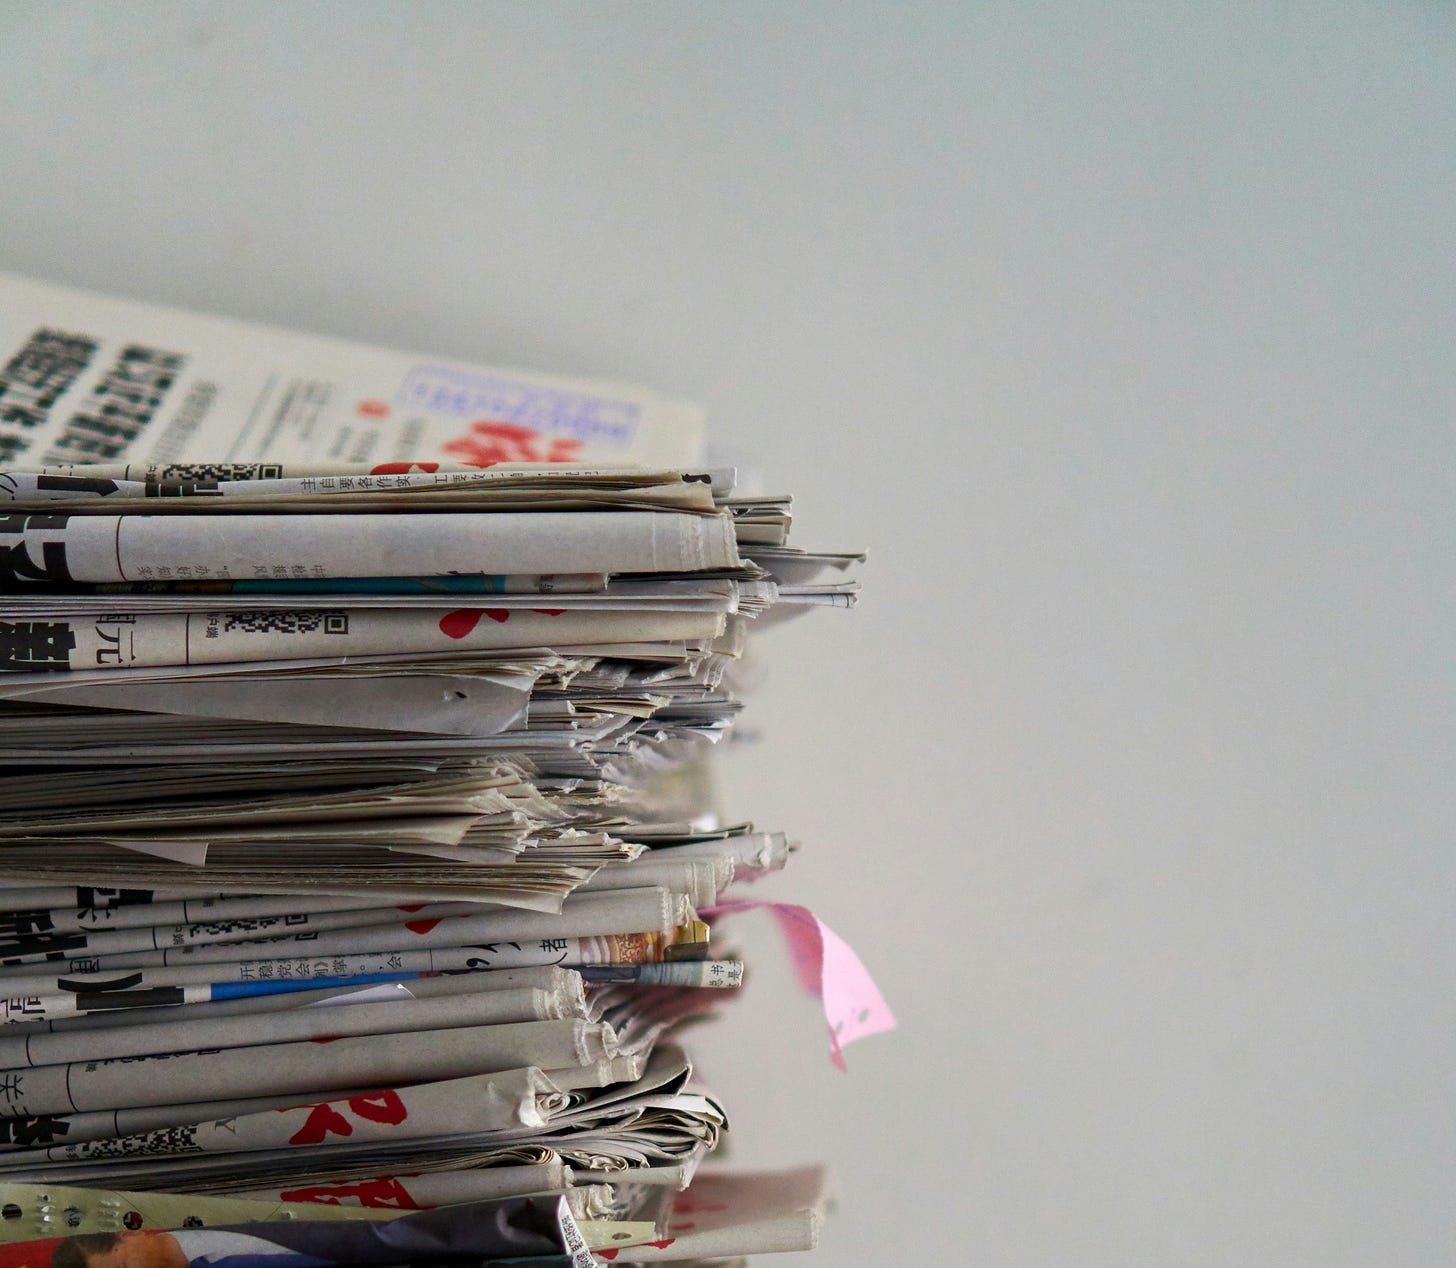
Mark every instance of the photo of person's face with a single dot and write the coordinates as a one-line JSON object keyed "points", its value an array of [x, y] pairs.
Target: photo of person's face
{"points": [[140, 1250]]}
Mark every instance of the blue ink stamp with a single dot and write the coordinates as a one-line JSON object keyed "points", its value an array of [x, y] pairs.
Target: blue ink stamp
{"points": [[550, 411]]}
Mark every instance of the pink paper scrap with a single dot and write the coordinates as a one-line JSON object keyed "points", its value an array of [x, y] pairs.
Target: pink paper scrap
{"points": [[829, 968]]}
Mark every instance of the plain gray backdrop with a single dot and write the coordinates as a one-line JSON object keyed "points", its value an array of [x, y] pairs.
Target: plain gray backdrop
{"points": [[1122, 335]]}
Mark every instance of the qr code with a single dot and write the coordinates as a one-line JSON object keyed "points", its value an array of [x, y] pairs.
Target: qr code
{"points": [[165, 1140], [287, 622], [224, 470]]}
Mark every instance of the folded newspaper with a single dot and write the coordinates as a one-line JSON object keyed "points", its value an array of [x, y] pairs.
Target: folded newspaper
{"points": [[355, 840]]}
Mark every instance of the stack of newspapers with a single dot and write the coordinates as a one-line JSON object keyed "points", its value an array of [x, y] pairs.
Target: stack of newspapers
{"points": [[353, 846]]}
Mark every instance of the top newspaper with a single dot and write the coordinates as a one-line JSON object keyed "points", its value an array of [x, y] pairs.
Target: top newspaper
{"points": [[88, 378]]}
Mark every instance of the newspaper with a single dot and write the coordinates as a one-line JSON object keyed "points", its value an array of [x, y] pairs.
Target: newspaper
{"points": [[215, 1074], [431, 704], [62, 549], [103, 946], [508, 1228], [647, 908], [424, 486], [90, 378], [626, 1108], [423, 1189], [183, 910], [21, 1135], [121, 640], [499, 1101], [44, 996], [486, 1008], [356, 829], [706, 595], [99, 1214], [562, 985]]}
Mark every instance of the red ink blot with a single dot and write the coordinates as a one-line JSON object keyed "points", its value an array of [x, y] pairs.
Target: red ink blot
{"points": [[322, 1196], [324, 1120], [374, 409], [420, 926], [459, 623], [412, 907], [490, 441], [380, 1107], [403, 468], [386, 1191]]}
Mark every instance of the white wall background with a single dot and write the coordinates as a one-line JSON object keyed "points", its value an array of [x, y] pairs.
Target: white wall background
{"points": [[1122, 333]]}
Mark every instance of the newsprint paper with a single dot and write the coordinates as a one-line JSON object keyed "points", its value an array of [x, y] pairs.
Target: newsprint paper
{"points": [[360, 868], [89, 378]]}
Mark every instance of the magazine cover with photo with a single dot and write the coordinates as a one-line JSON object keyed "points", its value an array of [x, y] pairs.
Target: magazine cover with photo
{"points": [[538, 1230]]}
